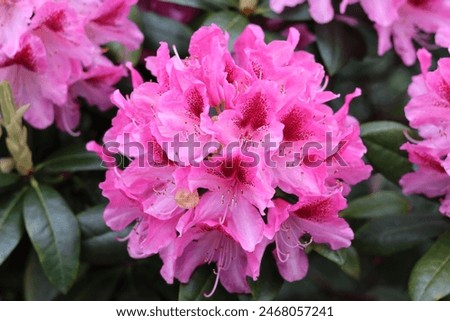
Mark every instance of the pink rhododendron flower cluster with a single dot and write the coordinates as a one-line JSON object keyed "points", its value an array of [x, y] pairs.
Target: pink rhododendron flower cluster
{"points": [[428, 112], [400, 22], [212, 141], [50, 54]]}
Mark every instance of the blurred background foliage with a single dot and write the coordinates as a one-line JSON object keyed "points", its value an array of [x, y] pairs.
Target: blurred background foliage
{"points": [[402, 245]]}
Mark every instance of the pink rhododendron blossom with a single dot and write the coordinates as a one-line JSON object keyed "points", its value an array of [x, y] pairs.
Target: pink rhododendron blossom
{"points": [[401, 22], [50, 54], [315, 217], [427, 112], [210, 144], [321, 10]]}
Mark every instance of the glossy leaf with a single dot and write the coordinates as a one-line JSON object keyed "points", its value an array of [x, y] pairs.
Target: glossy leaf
{"points": [[54, 232], [11, 223], [37, 287], [430, 278], [99, 244], [73, 158], [383, 203], [391, 234], [383, 140], [347, 259], [337, 43], [157, 28]]}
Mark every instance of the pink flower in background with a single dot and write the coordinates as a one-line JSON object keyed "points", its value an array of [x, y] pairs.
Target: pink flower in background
{"points": [[321, 10], [400, 23], [184, 14], [14, 19], [50, 54], [212, 140], [427, 111]]}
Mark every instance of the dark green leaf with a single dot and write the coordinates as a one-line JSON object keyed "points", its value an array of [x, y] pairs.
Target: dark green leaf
{"points": [[347, 259], [8, 179], [352, 265], [390, 234], [11, 224], [36, 285], [205, 4], [337, 43], [99, 244], [383, 203], [232, 22], [157, 28], [383, 140], [74, 158], [54, 232], [430, 278]]}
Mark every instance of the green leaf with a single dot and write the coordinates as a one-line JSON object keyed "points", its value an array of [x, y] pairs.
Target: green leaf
{"points": [[347, 259], [157, 28], [430, 278], [73, 158], [36, 285], [205, 4], [201, 283], [8, 179], [383, 203], [11, 224], [54, 232], [391, 234], [383, 140], [232, 22], [99, 244], [337, 43]]}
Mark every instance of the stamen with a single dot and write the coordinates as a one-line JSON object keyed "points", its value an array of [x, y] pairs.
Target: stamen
{"points": [[176, 53], [307, 243], [283, 257], [65, 123], [216, 283], [325, 83], [412, 140]]}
